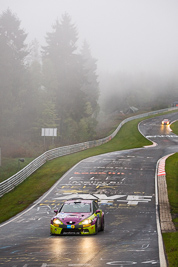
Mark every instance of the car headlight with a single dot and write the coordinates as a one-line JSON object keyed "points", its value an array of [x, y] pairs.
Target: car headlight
{"points": [[56, 222], [87, 221]]}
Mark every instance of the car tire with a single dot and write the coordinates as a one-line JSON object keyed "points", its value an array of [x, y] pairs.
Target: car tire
{"points": [[102, 224], [96, 227]]}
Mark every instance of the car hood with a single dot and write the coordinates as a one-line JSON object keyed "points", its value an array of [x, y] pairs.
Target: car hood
{"points": [[72, 218]]}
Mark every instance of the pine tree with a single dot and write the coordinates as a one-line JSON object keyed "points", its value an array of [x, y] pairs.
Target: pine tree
{"points": [[91, 87], [63, 73], [12, 70]]}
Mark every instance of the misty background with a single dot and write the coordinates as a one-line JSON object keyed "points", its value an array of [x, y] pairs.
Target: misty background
{"points": [[71, 64]]}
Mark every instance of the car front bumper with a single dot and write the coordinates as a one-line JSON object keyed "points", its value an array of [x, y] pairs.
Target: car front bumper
{"points": [[72, 230]]}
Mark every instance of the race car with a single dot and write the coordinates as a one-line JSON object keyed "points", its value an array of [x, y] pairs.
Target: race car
{"points": [[78, 217], [165, 122]]}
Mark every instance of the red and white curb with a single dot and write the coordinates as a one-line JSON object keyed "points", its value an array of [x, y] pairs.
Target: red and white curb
{"points": [[161, 166]]}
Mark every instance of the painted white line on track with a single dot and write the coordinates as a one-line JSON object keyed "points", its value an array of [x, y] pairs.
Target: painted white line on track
{"points": [[121, 263]]}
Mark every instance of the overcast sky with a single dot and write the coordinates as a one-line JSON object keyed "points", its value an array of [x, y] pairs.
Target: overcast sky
{"points": [[124, 35]]}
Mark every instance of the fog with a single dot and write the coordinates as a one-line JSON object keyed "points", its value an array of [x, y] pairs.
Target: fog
{"points": [[135, 36], [123, 56]]}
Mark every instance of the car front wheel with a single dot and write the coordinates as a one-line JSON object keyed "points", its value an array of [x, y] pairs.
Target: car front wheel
{"points": [[96, 227], [102, 224]]}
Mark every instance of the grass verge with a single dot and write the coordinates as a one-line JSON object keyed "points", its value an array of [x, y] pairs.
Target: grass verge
{"points": [[171, 246], [174, 127], [10, 166]]}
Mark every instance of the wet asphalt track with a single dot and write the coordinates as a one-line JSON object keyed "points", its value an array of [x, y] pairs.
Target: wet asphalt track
{"points": [[124, 181]]}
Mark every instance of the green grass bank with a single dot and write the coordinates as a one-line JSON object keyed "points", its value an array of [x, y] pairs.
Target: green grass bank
{"points": [[9, 166], [174, 127]]}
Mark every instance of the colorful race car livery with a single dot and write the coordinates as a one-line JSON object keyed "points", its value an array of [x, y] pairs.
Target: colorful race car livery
{"points": [[78, 217]]}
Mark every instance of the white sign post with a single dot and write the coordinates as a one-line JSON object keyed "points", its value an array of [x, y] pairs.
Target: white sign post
{"points": [[48, 132]]}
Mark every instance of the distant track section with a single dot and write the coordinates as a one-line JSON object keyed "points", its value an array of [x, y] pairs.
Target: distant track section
{"points": [[9, 184]]}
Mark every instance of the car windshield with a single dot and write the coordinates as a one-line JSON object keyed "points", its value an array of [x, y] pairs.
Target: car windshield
{"points": [[76, 207]]}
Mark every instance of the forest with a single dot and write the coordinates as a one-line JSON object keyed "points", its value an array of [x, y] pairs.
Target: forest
{"points": [[53, 86], [56, 85]]}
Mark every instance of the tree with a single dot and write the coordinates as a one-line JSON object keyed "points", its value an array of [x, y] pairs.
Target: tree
{"points": [[33, 98], [12, 70], [91, 86], [63, 73]]}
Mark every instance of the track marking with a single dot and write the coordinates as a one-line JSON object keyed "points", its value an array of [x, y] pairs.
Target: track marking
{"points": [[162, 136], [161, 165]]}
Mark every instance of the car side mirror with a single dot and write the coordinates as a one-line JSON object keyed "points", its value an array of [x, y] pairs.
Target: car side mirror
{"points": [[97, 211], [56, 211]]}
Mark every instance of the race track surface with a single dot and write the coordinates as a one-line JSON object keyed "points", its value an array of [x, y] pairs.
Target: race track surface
{"points": [[124, 183]]}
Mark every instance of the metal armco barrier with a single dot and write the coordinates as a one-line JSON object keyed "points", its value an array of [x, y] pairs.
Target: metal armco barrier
{"points": [[20, 176]]}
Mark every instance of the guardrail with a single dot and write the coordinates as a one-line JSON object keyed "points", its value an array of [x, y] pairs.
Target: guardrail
{"points": [[20, 176]]}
